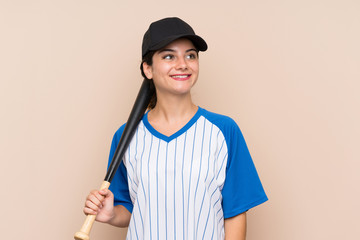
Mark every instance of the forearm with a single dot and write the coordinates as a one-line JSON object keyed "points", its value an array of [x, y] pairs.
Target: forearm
{"points": [[121, 217], [235, 227]]}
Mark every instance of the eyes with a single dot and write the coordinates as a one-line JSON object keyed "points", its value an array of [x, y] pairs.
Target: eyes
{"points": [[189, 56]]}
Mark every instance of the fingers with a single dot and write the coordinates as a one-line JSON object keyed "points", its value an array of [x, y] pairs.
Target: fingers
{"points": [[89, 208], [106, 193], [96, 197], [94, 201]]}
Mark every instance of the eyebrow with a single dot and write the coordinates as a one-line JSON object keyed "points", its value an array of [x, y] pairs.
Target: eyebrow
{"points": [[172, 50]]}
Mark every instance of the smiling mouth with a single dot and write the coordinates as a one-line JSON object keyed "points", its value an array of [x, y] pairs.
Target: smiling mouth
{"points": [[181, 77]]}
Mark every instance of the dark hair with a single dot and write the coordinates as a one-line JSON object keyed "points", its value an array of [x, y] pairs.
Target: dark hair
{"points": [[148, 59]]}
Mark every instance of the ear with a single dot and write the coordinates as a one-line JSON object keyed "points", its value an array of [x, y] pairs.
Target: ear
{"points": [[147, 70]]}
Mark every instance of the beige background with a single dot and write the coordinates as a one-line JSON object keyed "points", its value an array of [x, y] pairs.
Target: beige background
{"points": [[287, 71]]}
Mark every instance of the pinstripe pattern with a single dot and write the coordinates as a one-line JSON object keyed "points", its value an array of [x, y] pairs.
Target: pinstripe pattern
{"points": [[175, 182], [175, 186]]}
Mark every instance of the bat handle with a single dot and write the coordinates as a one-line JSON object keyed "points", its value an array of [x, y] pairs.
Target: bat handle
{"points": [[84, 232]]}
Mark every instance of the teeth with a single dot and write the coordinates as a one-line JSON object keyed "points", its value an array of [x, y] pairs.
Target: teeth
{"points": [[181, 76]]}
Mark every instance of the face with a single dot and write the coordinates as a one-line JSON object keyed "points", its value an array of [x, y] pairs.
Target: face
{"points": [[175, 68]]}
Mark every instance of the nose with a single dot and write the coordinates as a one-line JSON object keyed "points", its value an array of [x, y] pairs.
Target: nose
{"points": [[181, 64]]}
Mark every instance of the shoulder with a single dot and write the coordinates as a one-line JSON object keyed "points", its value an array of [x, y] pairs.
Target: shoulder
{"points": [[229, 129], [118, 133], [223, 122]]}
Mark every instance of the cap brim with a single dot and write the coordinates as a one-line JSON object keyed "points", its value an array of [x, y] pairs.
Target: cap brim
{"points": [[198, 42]]}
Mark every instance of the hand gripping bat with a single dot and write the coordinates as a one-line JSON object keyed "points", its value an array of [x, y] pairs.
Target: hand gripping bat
{"points": [[140, 105]]}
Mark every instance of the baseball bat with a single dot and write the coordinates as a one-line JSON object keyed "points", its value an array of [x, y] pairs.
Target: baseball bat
{"points": [[142, 101]]}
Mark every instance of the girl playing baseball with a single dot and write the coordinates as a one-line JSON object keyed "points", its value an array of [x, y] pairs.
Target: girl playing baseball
{"points": [[187, 173]]}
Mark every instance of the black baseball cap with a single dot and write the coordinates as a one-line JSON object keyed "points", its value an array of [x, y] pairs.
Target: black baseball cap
{"points": [[164, 31]]}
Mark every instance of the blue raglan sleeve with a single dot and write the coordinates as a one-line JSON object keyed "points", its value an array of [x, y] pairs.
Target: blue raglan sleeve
{"points": [[119, 185], [242, 188]]}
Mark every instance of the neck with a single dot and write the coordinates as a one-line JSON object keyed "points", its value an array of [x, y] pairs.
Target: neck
{"points": [[173, 108]]}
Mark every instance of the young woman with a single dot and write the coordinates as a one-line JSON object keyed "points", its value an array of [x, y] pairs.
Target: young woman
{"points": [[187, 173]]}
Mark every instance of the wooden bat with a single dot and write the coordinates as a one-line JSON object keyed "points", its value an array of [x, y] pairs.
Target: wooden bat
{"points": [[140, 105]]}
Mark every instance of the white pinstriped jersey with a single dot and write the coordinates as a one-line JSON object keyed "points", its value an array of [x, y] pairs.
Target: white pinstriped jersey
{"points": [[184, 185]]}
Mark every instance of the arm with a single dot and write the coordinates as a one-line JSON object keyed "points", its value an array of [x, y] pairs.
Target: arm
{"points": [[235, 227], [121, 217]]}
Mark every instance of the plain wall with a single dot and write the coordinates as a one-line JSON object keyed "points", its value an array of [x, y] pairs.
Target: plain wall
{"points": [[287, 71]]}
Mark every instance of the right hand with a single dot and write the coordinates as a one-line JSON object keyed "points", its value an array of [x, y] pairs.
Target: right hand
{"points": [[101, 204]]}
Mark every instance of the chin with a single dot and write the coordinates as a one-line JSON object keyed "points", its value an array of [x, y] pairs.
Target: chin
{"points": [[183, 90], [184, 86]]}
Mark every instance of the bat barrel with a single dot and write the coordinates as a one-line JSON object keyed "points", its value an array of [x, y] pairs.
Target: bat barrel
{"points": [[145, 93]]}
